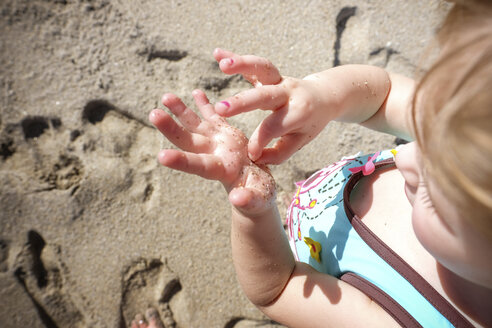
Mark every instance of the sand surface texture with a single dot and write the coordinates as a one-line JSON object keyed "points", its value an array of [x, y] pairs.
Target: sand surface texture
{"points": [[92, 229]]}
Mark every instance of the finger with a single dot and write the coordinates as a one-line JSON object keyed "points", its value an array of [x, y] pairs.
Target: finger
{"points": [[285, 147], [253, 68], [220, 54], [153, 318], [185, 115], [267, 97], [134, 324], [179, 136], [203, 104], [206, 166], [271, 127]]}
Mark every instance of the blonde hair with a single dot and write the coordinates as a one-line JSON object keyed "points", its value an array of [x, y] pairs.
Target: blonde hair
{"points": [[452, 112]]}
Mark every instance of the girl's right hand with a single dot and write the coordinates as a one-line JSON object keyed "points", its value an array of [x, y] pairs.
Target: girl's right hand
{"points": [[213, 149], [299, 109]]}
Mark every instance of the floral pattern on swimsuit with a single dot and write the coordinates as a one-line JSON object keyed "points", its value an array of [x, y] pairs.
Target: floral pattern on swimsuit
{"points": [[321, 196]]}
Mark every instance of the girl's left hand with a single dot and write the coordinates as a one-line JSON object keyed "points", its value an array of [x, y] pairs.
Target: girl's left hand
{"points": [[299, 110]]}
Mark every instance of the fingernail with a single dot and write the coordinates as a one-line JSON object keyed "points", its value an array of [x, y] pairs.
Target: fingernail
{"points": [[154, 113], [161, 156], [227, 61], [252, 157], [223, 105]]}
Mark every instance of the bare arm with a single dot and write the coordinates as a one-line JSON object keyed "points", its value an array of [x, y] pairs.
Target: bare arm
{"points": [[362, 94], [261, 254], [312, 299], [393, 116], [290, 292], [367, 95]]}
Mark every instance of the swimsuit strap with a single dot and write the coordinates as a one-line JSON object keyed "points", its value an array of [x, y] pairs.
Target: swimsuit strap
{"points": [[391, 306], [395, 261]]}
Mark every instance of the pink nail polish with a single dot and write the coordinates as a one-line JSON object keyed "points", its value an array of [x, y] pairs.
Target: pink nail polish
{"points": [[231, 61], [226, 103]]}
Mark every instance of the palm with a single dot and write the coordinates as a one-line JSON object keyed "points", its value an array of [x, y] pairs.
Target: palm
{"points": [[211, 148]]}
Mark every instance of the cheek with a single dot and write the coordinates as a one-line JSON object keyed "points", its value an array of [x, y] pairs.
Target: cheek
{"points": [[432, 234], [427, 226], [421, 229]]}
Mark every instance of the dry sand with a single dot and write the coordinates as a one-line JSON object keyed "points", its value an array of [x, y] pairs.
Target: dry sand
{"points": [[92, 229]]}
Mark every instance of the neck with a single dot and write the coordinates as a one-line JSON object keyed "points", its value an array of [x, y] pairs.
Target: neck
{"points": [[472, 299]]}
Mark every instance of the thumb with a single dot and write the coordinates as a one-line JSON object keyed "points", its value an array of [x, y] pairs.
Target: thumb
{"points": [[251, 201], [270, 128], [283, 148]]}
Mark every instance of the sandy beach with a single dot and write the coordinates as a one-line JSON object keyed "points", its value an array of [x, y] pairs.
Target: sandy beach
{"points": [[92, 229]]}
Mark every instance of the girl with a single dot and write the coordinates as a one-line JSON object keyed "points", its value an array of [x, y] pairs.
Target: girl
{"points": [[368, 244]]}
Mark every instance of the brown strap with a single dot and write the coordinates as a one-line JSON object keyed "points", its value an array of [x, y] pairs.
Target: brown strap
{"points": [[384, 300], [395, 261]]}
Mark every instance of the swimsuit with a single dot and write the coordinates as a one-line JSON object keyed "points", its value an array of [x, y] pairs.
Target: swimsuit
{"points": [[325, 232]]}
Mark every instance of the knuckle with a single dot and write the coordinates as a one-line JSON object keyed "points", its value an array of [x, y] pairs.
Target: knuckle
{"points": [[300, 102], [290, 83], [269, 65], [177, 108]]}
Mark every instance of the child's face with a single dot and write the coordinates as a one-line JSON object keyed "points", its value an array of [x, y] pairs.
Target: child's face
{"points": [[453, 241]]}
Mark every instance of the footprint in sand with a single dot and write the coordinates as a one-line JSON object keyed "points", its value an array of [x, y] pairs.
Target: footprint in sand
{"points": [[40, 155], [121, 140], [40, 271], [151, 284]]}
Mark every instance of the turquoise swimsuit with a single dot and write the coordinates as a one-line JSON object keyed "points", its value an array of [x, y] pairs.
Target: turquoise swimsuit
{"points": [[325, 233]]}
